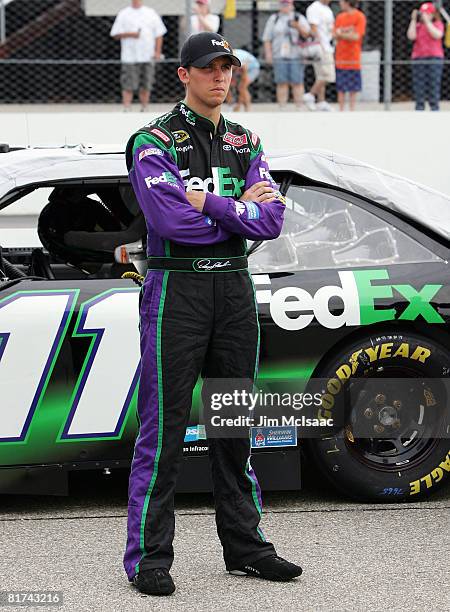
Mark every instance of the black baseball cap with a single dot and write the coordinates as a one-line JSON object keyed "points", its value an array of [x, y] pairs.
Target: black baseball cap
{"points": [[201, 49]]}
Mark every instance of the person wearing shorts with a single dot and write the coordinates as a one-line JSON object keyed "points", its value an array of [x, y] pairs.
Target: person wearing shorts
{"points": [[321, 20], [137, 77], [140, 31], [349, 34], [281, 46]]}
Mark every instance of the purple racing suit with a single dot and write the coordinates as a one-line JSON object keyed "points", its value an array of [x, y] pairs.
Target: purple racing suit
{"points": [[198, 316]]}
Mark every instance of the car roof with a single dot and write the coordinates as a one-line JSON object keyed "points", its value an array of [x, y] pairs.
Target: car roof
{"points": [[424, 205]]}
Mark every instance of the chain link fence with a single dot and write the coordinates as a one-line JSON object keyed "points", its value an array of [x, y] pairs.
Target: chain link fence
{"points": [[62, 51]]}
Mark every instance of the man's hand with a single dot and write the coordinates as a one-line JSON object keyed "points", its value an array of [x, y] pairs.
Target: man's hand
{"points": [[127, 35], [196, 199], [259, 192]]}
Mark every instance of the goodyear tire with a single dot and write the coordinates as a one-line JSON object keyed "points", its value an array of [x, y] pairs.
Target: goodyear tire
{"points": [[389, 392]]}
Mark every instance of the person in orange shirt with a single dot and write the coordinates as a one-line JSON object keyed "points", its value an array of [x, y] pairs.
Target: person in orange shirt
{"points": [[349, 31]]}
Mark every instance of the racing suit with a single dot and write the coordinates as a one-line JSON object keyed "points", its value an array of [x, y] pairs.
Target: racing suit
{"points": [[200, 319]]}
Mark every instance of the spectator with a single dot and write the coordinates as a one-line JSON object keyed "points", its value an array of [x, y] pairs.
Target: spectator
{"points": [[281, 46], [243, 77], [204, 20], [321, 19], [427, 30], [349, 34], [140, 31]]}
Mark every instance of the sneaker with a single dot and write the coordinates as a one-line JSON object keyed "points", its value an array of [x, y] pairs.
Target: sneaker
{"points": [[144, 109], [127, 109], [310, 101], [269, 568], [324, 106], [154, 582]]}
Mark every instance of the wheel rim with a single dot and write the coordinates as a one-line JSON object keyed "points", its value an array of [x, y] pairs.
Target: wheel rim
{"points": [[391, 426]]}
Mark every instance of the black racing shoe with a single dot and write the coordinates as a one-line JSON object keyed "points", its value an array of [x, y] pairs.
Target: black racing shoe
{"points": [[154, 582], [270, 568]]}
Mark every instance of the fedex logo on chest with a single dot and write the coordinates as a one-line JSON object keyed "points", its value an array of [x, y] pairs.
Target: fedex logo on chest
{"points": [[222, 182]]}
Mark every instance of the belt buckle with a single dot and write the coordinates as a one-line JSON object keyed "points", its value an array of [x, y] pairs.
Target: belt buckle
{"points": [[211, 264]]}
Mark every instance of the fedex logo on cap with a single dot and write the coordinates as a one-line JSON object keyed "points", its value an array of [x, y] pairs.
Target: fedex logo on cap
{"points": [[221, 43]]}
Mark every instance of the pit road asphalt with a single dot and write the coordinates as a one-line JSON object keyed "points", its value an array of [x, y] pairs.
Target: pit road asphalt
{"points": [[356, 557]]}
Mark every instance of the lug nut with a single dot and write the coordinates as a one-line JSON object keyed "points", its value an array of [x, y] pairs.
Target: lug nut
{"points": [[396, 424], [397, 404], [368, 413], [349, 434], [380, 398], [378, 429]]}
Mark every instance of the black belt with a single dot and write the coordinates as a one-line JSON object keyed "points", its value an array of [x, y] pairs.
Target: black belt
{"points": [[198, 264]]}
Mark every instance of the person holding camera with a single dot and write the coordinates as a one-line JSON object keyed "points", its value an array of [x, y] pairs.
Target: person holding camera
{"points": [[203, 20], [281, 38], [426, 30]]}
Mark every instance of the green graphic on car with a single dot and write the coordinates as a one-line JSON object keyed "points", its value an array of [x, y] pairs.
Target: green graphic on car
{"points": [[38, 412]]}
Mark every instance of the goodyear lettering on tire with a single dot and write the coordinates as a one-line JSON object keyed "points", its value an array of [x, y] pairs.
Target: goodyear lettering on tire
{"points": [[364, 357]]}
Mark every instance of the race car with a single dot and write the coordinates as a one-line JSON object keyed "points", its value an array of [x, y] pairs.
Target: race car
{"points": [[354, 304]]}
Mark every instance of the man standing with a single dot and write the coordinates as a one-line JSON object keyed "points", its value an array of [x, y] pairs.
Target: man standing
{"points": [[349, 33], [204, 186], [281, 47], [140, 31], [321, 19]]}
